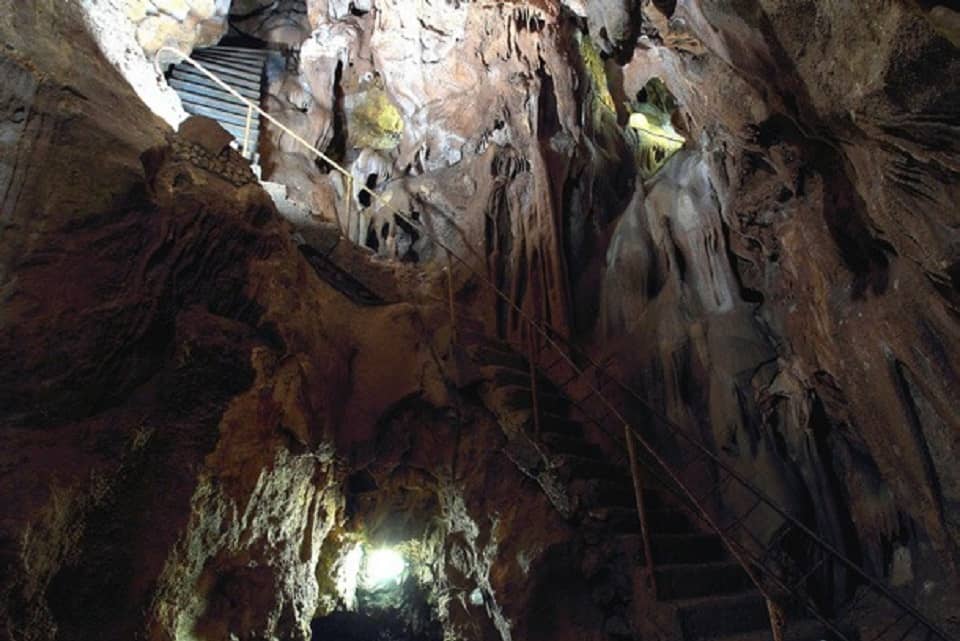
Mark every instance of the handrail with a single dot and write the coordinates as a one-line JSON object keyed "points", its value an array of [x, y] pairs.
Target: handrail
{"points": [[824, 545], [321, 155], [549, 340]]}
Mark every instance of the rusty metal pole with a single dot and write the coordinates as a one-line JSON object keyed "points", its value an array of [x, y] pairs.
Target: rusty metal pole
{"points": [[641, 508], [453, 311], [348, 196], [533, 380], [775, 612]]}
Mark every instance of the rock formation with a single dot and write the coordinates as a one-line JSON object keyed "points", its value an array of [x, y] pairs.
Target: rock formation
{"points": [[209, 413]]}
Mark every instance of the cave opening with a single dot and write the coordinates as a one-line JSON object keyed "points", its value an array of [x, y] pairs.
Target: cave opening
{"points": [[383, 596], [356, 11], [407, 237]]}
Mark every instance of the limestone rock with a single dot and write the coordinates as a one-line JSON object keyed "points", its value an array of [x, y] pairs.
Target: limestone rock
{"points": [[137, 10], [207, 133], [947, 22], [203, 9], [156, 31], [178, 9]]}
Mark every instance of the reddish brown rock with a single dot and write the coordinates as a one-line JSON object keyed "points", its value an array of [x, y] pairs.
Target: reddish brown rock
{"points": [[200, 423]]}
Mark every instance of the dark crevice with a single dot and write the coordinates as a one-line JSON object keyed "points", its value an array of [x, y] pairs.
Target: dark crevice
{"points": [[364, 197], [666, 7], [737, 264], [548, 116], [836, 581], [337, 149], [371, 240], [409, 235]]}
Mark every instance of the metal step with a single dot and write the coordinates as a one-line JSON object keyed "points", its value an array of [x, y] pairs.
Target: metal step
{"points": [[220, 115], [247, 88], [233, 52], [550, 422], [687, 548], [208, 91], [805, 630], [231, 106], [342, 280], [232, 113], [229, 55], [718, 616], [194, 78], [572, 467], [487, 355], [561, 444], [249, 81], [614, 519], [670, 521], [519, 397], [240, 69]]}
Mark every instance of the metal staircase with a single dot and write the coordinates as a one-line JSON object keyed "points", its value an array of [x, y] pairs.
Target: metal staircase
{"points": [[705, 524], [242, 70], [707, 593], [793, 570], [692, 571]]}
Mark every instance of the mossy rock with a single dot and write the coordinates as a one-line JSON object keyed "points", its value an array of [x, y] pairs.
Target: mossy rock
{"points": [[596, 72], [374, 122]]}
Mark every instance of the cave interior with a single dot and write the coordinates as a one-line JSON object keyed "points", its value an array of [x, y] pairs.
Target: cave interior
{"points": [[439, 320]]}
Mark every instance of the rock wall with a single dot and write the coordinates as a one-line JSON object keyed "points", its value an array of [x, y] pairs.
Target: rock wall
{"points": [[184, 398], [129, 34], [185, 402], [119, 503], [186, 24], [851, 224], [447, 110], [782, 288], [781, 292]]}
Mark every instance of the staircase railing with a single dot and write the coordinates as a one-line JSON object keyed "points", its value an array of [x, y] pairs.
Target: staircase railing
{"points": [[759, 565], [579, 367], [757, 552], [256, 109]]}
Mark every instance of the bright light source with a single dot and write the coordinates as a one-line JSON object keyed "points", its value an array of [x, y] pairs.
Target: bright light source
{"points": [[638, 121], [382, 567]]}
